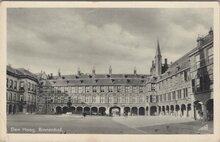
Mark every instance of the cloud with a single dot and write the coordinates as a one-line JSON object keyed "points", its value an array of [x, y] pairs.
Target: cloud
{"points": [[48, 39]]}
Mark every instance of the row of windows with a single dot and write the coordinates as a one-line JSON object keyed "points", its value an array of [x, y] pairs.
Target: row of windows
{"points": [[93, 89], [202, 83], [175, 95], [13, 84], [17, 97], [178, 78], [101, 99]]}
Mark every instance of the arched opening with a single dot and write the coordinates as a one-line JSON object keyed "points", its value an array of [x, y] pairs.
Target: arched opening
{"points": [[141, 111], [65, 109], [20, 108], [79, 110], [115, 111], [183, 110], [10, 109], [14, 109], [86, 110], [198, 112], [58, 110], [209, 108], [163, 110], [72, 109], [127, 111], [177, 108], [172, 110], [102, 110], [94, 110], [134, 111], [167, 110], [189, 110], [153, 110]]}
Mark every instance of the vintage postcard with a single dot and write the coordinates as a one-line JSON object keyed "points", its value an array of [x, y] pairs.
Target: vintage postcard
{"points": [[108, 71]]}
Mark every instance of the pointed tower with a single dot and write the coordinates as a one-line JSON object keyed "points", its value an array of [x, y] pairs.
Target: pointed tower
{"points": [[110, 70], [78, 71], [135, 70], [158, 60], [59, 73], [93, 70]]}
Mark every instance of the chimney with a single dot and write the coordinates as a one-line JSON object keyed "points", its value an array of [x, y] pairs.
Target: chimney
{"points": [[93, 70], [199, 41], [165, 61], [78, 71], [110, 70], [135, 71], [210, 31]]}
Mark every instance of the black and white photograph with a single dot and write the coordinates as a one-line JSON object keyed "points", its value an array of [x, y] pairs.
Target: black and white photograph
{"points": [[94, 70]]}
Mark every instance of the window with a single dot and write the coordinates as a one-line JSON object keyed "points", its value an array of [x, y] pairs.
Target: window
{"points": [[80, 90], [118, 88], [102, 89], [11, 84], [86, 98], [87, 89], [141, 89], [193, 85], [126, 99], [197, 60], [153, 87], [94, 89], [110, 88], [15, 85], [29, 86], [210, 55], [174, 95], [74, 90], [102, 99], [126, 89], [197, 84], [186, 74], [7, 83], [93, 99]]}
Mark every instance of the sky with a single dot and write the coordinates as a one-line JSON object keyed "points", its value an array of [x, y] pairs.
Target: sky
{"points": [[70, 38]]}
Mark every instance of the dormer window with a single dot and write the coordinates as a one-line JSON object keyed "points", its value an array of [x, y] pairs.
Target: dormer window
{"points": [[142, 81], [67, 81], [63, 77], [112, 80], [96, 80], [108, 76], [76, 77], [126, 76], [142, 76], [90, 76], [54, 82], [128, 80], [81, 81]]}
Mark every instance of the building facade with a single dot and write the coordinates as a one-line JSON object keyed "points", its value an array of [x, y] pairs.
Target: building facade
{"points": [[183, 88], [22, 87]]}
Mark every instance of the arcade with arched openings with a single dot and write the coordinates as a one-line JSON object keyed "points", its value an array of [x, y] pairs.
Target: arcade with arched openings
{"points": [[127, 111], [102, 110], [153, 110], [198, 112], [172, 109], [183, 110], [167, 110], [209, 110], [58, 110], [141, 111], [134, 111], [177, 109], [87, 110], [115, 111], [94, 110]]}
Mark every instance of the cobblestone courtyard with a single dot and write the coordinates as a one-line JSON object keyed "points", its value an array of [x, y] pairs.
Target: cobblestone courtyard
{"points": [[76, 124]]}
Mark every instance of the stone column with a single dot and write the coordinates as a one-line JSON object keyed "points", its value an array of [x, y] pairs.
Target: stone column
{"points": [[122, 111], [204, 110]]}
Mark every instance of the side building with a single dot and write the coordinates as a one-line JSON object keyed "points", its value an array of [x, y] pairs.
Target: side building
{"points": [[185, 89], [22, 86]]}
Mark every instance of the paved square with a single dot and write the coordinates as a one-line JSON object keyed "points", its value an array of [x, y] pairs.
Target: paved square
{"points": [[76, 124]]}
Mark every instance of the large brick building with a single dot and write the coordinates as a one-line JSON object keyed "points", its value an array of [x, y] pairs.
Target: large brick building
{"points": [[183, 88]]}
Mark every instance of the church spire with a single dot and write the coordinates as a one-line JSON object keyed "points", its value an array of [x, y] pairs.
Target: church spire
{"points": [[93, 70], [158, 53], [110, 69]]}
